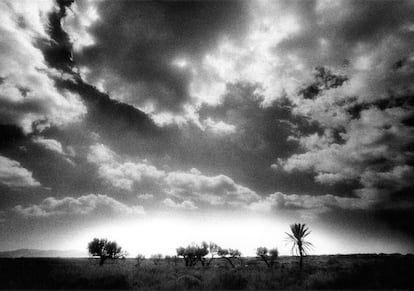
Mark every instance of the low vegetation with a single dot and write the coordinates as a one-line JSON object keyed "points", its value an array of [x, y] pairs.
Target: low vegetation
{"points": [[208, 266], [319, 272]]}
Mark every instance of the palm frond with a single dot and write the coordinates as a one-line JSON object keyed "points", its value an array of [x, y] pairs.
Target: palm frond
{"points": [[291, 237], [297, 236]]}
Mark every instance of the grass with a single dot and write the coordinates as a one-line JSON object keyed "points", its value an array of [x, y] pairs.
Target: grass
{"points": [[319, 272]]}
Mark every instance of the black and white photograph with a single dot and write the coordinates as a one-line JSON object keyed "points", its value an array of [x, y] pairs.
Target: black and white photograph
{"points": [[206, 144]]}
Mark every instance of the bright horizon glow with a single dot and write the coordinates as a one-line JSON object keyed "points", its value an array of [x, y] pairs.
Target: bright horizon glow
{"points": [[163, 234]]}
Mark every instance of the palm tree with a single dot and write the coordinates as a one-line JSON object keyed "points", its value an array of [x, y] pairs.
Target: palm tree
{"points": [[300, 246]]}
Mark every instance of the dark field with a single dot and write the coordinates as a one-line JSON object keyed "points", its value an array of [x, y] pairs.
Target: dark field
{"points": [[319, 272]]}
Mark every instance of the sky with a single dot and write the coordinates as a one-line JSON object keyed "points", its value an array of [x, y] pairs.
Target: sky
{"points": [[158, 124]]}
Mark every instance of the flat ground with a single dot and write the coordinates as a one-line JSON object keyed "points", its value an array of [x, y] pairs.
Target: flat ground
{"points": [[319, 272]]}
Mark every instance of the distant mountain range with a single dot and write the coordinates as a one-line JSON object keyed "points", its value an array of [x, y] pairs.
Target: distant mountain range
{"points": [[35, 253]]}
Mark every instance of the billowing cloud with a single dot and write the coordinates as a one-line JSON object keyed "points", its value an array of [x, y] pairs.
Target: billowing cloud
{"points": [[373, 149], [285, 108], [288, 39], [77, 22], [156, 36], [50, 144], [191, 189], [316, 204], [12, 174], [55, 146], [219, 127], [215, 190], [82, 205], [118, 173], [29, 97]]}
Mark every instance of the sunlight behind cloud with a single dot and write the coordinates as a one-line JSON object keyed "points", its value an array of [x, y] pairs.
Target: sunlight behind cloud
{"points": [[180, 63]]}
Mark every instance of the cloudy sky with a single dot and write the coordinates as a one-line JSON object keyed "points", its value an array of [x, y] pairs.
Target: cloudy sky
{"points": [[158, 124]]}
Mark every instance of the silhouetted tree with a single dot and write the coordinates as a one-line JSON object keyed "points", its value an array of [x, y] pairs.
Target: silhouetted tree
{"points": [[213, 249], [104, 249], [262, 253], [139, 258], [181, 252], [193, 254], [201, 252], [229, 255], [299, 245], [274, 254], [268, 256]]}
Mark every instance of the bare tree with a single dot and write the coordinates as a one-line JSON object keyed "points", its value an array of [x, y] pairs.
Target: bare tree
{"points": [[299, 245]]}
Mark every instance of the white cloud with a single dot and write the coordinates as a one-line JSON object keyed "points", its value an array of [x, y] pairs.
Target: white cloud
{"points": [[119, 173], [193, 187], [55, 146], [373, 151], [288, 39], [50, 144], [82, 205], [252, 58], [186, 204], [13, 174], [126, 174], [284, 42], [316, 204], [219, 127], [28, 96], [218, 189], [77, 22]]}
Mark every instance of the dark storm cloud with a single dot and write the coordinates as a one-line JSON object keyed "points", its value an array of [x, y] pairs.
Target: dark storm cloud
{"points": [[347, 26], [366, 138], [29, 98], [137, 41], [331, 153], [246, 153]]}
